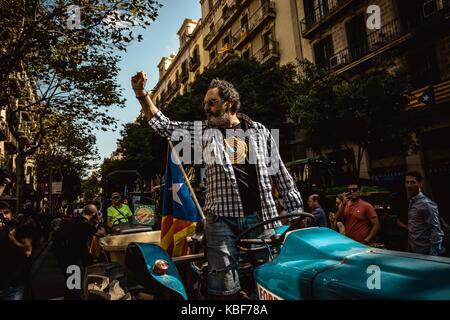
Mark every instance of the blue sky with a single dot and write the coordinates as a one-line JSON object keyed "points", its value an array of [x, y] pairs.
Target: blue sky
{"points": [[160, 39]]}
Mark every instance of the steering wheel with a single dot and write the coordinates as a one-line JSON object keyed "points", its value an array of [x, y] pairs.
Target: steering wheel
{"points": [[244, 244]]}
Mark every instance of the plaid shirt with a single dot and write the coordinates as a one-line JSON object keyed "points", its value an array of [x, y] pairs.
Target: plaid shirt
{"points": [[222, 192]]}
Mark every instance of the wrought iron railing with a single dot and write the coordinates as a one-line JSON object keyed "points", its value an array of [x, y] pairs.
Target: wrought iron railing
{"points": [[258, 16], [374, 41], [194, 63], [268, 50], [320, 13]]}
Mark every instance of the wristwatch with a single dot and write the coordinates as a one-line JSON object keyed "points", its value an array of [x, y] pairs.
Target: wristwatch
{"points": [[142, 97]]}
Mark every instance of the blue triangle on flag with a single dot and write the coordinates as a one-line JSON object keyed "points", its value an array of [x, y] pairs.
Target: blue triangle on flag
{"points": [[428, 97], [177, 200]]}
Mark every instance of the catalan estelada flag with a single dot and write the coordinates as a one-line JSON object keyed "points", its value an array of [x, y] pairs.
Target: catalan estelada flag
{"points": [[179, 213], [428, 97]]}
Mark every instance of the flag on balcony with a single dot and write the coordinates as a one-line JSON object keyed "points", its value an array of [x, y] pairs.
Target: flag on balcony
{"points": [[227, 47], [179, 213], [428, 97]]}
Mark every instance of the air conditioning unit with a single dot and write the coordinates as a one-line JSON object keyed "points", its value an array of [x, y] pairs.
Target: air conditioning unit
{"points": [[334, 61], [337, 60], [429, 8]]}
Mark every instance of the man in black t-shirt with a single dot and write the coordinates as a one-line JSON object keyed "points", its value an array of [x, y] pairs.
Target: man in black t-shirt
{"points": [[72, 243], [236, 144]]}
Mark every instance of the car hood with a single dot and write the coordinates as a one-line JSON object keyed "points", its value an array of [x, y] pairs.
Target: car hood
{"points": [[319, 263]]}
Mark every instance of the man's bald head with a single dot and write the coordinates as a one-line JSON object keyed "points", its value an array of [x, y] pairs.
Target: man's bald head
{"points": [[90, 211], [313, 201]]}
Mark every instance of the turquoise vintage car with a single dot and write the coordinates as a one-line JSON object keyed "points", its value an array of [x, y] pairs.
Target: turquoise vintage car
{"points": [[313, 263], [319, 263]]}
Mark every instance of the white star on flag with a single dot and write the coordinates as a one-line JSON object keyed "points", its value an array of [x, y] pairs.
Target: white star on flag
{"points": [[426, 98], [175, 188]]}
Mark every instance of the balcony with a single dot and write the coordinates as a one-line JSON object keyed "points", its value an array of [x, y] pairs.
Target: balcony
{"points": [[434, 18], [24, 132], [10, 147], [4, 134], [267, 52], [256, 21], [194, 63], [214, 61], [173, 89], [436, 9], [163, 96], [224, 23], [227, 53], [25, 116], [314, 20], [377, 42], [184, 76]]}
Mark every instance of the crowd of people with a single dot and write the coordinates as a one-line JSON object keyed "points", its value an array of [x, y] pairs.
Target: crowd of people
{"points": [[358, 220], [17, 239], [72, 236], [237, 196], [238, 193]]}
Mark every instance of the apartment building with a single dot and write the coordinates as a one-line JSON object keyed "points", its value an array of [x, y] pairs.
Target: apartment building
{"points": [[260, 29], [9, 144], [179, 70], [412, 33]]}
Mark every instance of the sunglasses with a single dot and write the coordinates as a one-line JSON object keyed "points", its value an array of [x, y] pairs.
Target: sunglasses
{"points": [[352, 189], [210, 103], [115, 198]]}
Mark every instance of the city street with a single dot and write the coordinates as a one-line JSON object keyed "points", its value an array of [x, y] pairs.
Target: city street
{"points": [[225, 150]]}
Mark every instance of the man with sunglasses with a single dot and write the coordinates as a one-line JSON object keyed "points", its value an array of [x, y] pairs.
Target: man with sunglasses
{"points": [[360, 218], [118, 212], [241, 161]]}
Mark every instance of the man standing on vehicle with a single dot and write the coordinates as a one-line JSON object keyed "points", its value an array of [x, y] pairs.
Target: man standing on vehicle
{"points": [[360, 218], [238, 193], [425, 235], [118, 212]]}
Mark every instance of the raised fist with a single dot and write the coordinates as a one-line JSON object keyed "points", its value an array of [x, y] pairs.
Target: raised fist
{"points": [[139, 81]]}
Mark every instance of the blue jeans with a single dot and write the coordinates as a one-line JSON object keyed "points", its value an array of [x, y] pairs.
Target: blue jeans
{"points": [[222, 253], [16, 293]]}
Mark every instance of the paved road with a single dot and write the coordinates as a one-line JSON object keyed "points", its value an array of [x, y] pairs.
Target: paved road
{"points": [[47, 281]]}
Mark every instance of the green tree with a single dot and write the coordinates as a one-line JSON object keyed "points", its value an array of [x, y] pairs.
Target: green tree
{"points": [[90, 187], [143, 149], [51, 65], [364, 110], [261, 88], [65, 155]]}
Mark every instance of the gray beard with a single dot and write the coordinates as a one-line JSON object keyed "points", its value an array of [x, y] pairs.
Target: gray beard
{"points": [[222, 120]]}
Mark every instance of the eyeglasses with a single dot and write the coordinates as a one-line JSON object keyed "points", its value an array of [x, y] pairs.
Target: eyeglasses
{"points": [[210, 103], [116, 198]]}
